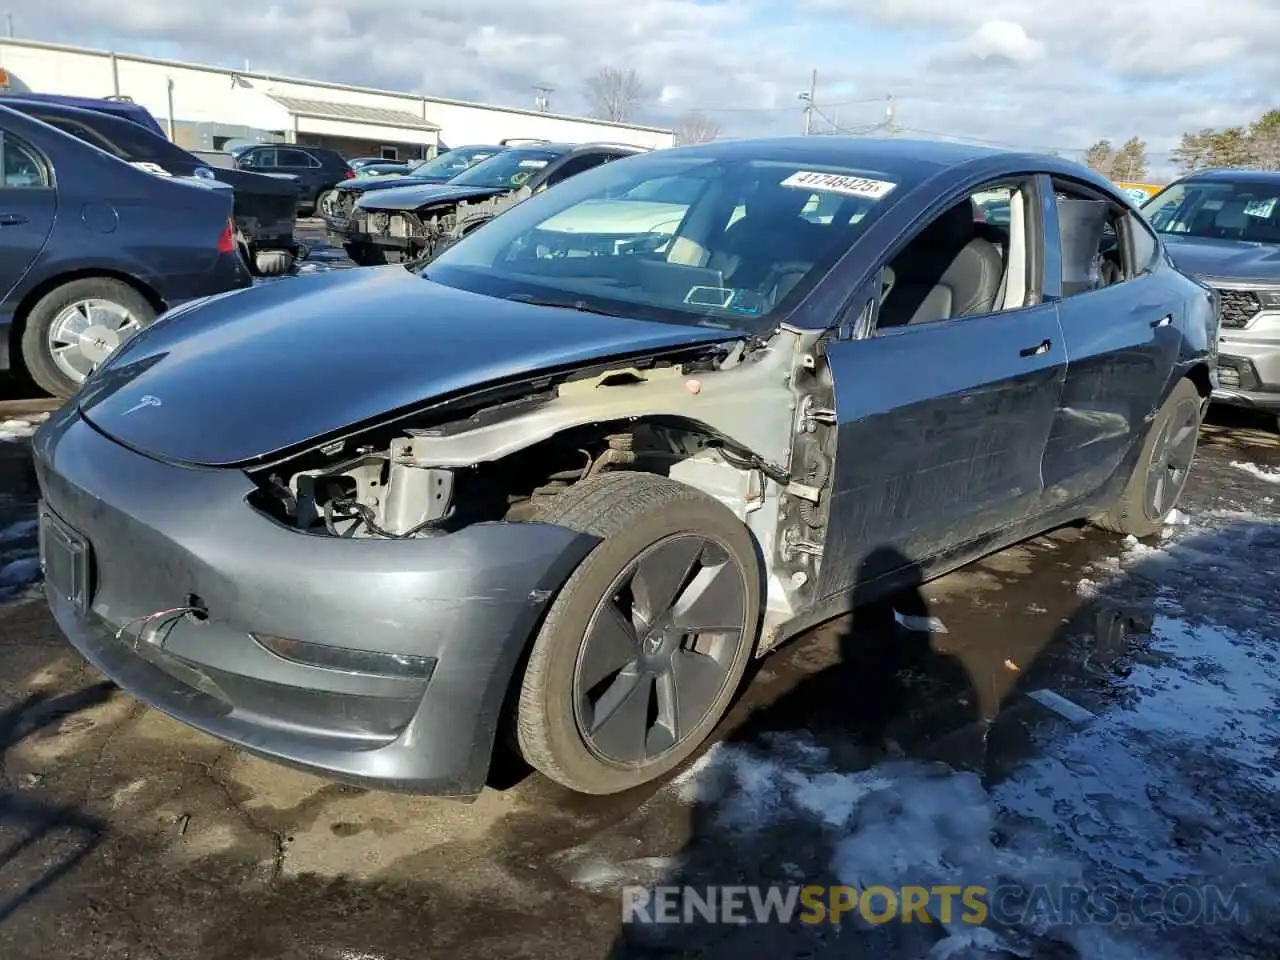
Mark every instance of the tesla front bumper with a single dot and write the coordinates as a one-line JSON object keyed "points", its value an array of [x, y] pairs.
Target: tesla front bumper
{"points": [[124, 536]]}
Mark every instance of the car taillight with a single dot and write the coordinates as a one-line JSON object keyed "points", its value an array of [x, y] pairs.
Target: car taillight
{"points": [[227, 242], [349, 175]]}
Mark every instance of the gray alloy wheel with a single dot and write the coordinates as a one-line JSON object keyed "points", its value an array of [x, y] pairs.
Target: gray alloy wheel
{"points": [[324, 202], [75, 327], [642, 650], [659, 648], [1163, 466]]}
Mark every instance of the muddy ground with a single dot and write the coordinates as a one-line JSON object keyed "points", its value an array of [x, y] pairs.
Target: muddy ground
{"points": [[863, 753]]}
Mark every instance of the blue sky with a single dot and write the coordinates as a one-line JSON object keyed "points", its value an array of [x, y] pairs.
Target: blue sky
{"points": [[1000, 71]]}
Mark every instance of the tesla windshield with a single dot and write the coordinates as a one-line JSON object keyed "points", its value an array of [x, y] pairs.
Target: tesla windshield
{"points": [[681, 237], [1245, 209], [509, 169]]}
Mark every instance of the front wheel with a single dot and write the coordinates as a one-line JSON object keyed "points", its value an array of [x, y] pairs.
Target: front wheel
{"points": [[643, 649], [75, 327], [1163, 466]]}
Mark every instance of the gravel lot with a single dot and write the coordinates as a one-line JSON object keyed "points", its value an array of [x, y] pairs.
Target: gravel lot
{"points": [[863, 753]]}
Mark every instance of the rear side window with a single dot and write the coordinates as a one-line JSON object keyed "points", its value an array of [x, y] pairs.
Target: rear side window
{"points": [[23, 167], [292, 158]]}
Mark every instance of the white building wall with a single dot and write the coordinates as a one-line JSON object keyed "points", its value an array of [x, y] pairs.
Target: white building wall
{"points": [[213, 94]]}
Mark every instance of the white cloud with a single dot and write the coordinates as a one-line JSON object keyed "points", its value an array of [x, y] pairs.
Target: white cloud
{"points": [[1035, 75], [1004, 40]]}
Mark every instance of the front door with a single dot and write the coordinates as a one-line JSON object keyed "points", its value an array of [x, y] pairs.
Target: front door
{"points": [[28, 202], [942, 431]]}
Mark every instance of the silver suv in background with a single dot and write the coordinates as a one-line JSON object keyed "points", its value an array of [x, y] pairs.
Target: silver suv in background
{"points": [[1223, 228]]}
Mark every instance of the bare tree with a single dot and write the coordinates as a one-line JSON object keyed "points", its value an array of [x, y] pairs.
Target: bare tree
{"points": [[696, 127], [615, 93]]}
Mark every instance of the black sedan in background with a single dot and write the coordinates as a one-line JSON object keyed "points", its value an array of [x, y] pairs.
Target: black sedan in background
{"points": [[266, 205], [92, 249], [564, 483]]}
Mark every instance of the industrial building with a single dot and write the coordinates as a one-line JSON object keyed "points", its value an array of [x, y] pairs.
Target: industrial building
{"points": [[204, 107]]}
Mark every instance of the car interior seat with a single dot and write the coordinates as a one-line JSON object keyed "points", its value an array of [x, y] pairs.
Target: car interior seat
{"points": [[947, 271], [771, 245], [1231, 220]]}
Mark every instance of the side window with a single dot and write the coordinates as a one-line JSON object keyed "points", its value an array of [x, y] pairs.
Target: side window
{"points": [[292, 158], [1091, 240], [260, 159], [23, 168], [576, 165], [969, 261], [1143, 245]]}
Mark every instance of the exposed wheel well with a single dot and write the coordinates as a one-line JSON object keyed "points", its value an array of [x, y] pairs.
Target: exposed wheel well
{"points": [[33, 297], [1199, 375]]}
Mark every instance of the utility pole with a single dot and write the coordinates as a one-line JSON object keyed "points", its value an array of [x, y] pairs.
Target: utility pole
{"points": [[808, 99], [891, 117], [542, 98], [8, 17]]}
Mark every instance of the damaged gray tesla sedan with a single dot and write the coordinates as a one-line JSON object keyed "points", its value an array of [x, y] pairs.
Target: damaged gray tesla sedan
{"points": [[559, 486]]}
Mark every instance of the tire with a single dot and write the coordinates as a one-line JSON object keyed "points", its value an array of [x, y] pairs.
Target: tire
{"points": [[50, 317], [637, 516], [1135, 513], [365, 255], [273, 263], [323, 199]]}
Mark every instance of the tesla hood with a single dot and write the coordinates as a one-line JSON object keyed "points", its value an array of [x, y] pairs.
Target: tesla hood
{"points": [[248, 374], [1235, 260], [411, 198]]}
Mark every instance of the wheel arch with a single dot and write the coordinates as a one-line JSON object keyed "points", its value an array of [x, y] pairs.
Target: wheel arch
{"points": [[49, 284]]}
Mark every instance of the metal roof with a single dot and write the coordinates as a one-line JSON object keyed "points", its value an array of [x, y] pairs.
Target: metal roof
{"points": [[328, 110]]}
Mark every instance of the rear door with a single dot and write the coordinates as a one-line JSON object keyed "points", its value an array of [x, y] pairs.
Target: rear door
{"points": [[302, 165], [942, 426], [1121, 331], [28, 203]]}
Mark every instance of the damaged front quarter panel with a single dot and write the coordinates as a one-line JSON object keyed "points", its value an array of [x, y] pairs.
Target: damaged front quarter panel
{"points": [[730, 427]]}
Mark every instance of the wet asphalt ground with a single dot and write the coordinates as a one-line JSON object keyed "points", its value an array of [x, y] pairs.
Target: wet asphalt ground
{"points": [[1076, 713]]}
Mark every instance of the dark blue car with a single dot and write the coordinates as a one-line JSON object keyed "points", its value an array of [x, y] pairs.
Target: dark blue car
{"points": [[115, 107], [92, 249], [563, 483]]}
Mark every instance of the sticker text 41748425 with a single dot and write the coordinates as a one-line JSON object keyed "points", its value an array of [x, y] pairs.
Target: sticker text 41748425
{"points": [[863, 187]]}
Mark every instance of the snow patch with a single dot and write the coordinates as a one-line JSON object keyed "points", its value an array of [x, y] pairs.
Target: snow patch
{"points": [[20, 428], [1269, 474]]}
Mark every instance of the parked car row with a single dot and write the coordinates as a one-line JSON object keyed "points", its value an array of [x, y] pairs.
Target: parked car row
{"points": [[414, 216], [94, 246], [558, 486]]}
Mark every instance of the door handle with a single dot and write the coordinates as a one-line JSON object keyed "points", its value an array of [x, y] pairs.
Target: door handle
{"points": [[11, 219], [1162, 322], [1038, 350]]}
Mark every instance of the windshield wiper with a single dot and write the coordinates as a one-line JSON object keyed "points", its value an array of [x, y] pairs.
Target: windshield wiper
{"points": [[580, 305]]}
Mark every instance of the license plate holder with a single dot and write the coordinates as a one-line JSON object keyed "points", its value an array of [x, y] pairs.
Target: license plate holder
{"points": [[65, 560]]}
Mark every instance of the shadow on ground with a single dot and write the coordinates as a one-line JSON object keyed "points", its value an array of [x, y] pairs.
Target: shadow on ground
{"points": [[1135, 756]]}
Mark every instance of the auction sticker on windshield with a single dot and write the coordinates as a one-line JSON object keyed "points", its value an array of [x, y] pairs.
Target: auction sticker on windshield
{"points": [[863, 187]]}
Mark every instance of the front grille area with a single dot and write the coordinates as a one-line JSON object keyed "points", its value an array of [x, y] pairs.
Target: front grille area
{"points": [[1237, 373], [1239, 307]]}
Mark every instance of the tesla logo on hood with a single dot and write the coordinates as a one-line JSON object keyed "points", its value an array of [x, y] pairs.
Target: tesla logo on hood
{"points": [[147, 401]]}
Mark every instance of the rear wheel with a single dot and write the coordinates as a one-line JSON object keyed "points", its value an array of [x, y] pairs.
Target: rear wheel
{"points": [[75, 327], [1163, 466], [324, 203], [644, 647]]}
